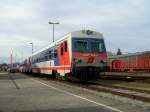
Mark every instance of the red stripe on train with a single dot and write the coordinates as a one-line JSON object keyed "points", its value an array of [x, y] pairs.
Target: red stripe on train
{"points": [[84, 54], [52, 68]]}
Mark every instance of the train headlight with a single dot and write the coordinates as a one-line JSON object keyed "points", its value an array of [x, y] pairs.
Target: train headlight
{"points": [[75, 60], [88, 32], [102, 61], [80, 61]]}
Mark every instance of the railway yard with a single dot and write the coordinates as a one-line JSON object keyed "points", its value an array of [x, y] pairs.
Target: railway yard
{"points": [[80, 56], [79, 77], [34, 93]]}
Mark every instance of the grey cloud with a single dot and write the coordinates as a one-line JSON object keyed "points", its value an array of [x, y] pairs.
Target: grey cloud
{"points": [[121, 22]]}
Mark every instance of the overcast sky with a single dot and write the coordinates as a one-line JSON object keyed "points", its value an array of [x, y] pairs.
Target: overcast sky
{"points": [[125, 24]]}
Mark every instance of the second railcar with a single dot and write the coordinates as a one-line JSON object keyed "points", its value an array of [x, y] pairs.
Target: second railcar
{"points": [[129, 62]]}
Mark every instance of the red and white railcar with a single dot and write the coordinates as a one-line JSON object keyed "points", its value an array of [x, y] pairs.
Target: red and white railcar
{"points": [[79, 54], [130, 62]]}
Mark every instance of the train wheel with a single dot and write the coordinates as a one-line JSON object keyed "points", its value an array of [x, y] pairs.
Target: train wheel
{"points": [[54, 74], [58, 76], [67, 75]]}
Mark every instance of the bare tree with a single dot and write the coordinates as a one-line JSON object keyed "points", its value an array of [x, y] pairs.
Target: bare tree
{"points": [[119, 52]]}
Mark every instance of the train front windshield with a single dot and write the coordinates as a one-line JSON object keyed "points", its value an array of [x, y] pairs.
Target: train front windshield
{"points": [[80, 45], [88, 45]]}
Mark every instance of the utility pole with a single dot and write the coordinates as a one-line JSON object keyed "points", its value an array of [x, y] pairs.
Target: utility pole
{"points": [[32, 53], [11, 58], [53, 23]]}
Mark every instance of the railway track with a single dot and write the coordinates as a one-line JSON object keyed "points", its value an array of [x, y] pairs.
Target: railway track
{"points": [[126, 75], [132, 93]]}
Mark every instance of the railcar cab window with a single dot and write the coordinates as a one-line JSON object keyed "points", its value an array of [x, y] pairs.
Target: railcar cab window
{"points": [[80, 45], [94, 45], [97, 46]]}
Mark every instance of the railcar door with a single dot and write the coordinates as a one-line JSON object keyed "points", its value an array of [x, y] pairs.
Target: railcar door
{"points": [[64, 56]]}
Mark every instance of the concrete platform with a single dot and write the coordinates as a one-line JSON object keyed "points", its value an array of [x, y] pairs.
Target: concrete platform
{"points": [[22, 93]]}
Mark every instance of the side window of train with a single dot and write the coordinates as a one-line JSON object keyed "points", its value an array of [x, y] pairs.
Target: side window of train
{"points": [[50, 54], [55, 53], [65, 46], [46, 58], [62, 50]]}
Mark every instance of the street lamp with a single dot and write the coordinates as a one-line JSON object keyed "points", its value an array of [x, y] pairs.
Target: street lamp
{"points": [[32, 47], [11, 58], [32, 53], [53, 23]]}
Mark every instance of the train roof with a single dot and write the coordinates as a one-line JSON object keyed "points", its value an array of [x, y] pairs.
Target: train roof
{"points": [[128, 55], [86, 33], [79, 33]]}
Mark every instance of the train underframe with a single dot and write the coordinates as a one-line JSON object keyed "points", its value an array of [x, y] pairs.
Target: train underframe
{"points": [[77, 73], [86, 73]]}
